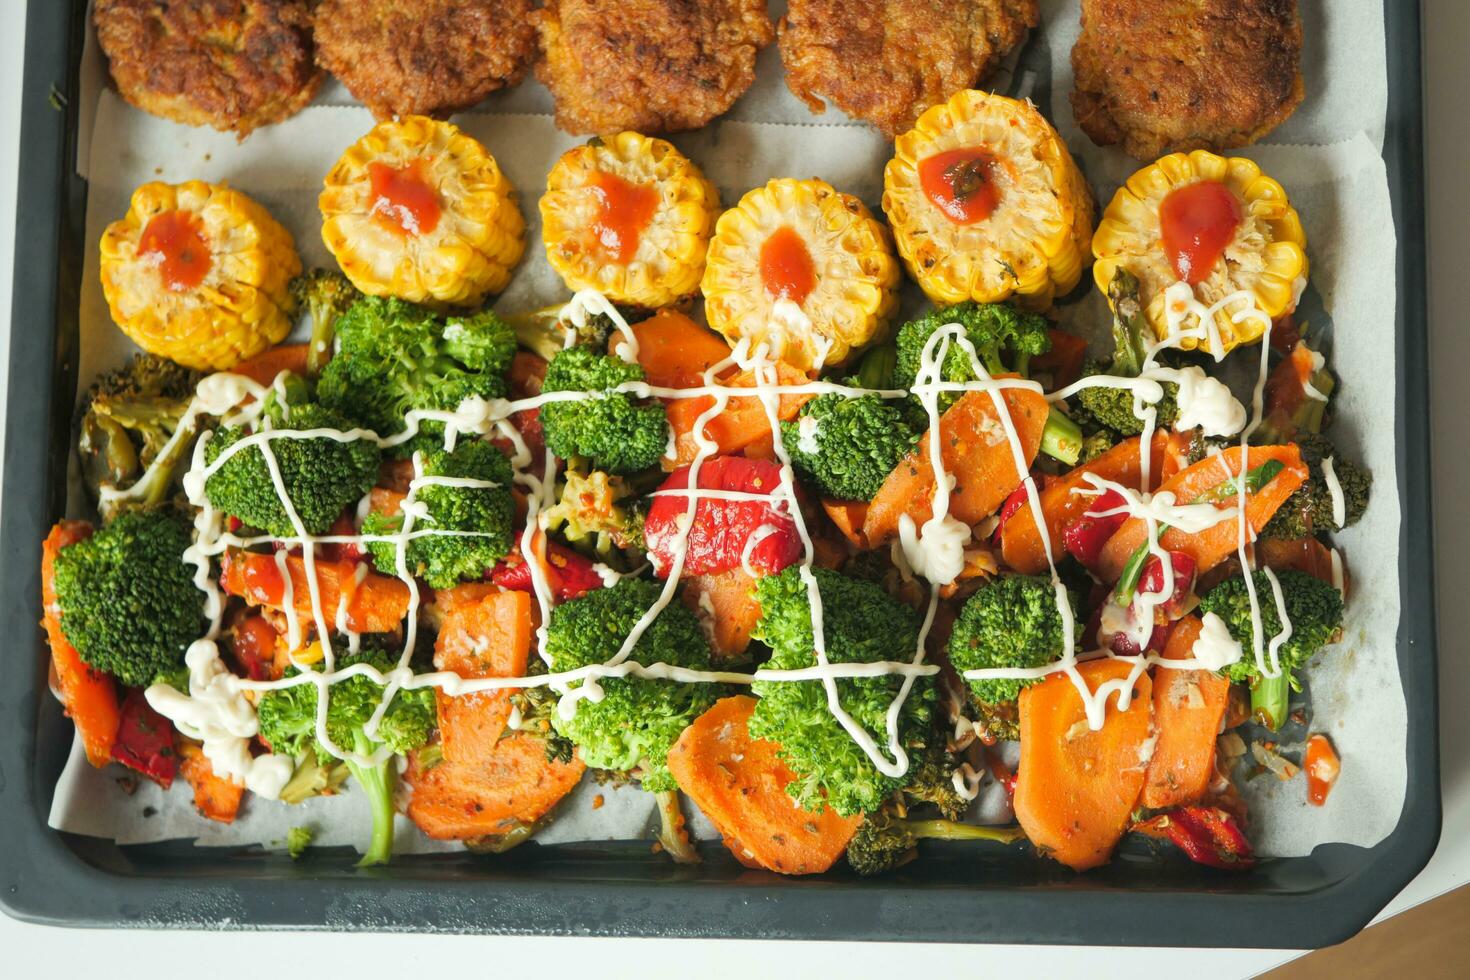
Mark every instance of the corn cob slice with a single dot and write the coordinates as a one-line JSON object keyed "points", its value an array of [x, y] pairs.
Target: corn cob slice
{"points": [[198, 273], [986, 203], [804, 269], [418, 210], [1264, 258], [629, 216]]}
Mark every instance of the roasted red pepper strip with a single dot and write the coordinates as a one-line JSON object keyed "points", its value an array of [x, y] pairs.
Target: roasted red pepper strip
{"points": [[145, 740], [1084, 538], [722, 528], [1206, 834], [1152, 581], [569, 574]]}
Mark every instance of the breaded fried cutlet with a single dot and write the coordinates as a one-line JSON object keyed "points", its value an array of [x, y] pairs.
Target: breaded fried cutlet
{"points": [[235, 65], [1159, 76], [886, 61], [654, 66], [424, 57]]}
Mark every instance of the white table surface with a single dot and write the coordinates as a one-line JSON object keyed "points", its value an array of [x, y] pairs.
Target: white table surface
{"points": [[27, 949]]}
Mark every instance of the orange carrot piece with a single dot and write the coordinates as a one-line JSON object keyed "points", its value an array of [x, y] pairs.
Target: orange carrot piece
{"points": [[387, 502], [1076, 788], [490, 637], [1304, 555], [742, 425], [377, 604], [674, 351], [214, 796], [515, 785], [1188, 707], [849, 516], [975, 452], [1214, 544], [89, 696], [1020, 543], [1322, 767], [725, 603], [263, 367], [740, 784]]}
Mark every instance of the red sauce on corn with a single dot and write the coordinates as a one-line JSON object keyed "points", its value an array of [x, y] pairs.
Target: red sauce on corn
{"points": [[961, 184], [624, 210], [403, 199], [1196, 222], [177, 237], [787, 270]]}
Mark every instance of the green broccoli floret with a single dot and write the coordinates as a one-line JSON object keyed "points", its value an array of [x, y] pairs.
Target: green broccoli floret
{"points": [[1011, 621], [1004, 337], [321, 475], [486, 513], [1113, 407], [1095, 444], [848, 446], [596, 514], [298, 839], [861, 624], [638, 718], [884, 842], [544, 332], [931, 779], [393, 357], [1308, 511], [288, 725], [1314, 608], [128, 602], [125, 422], [326, 294], [618, 433]]}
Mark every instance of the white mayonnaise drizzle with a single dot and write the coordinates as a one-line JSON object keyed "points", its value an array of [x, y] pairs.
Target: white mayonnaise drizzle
{"points": [[1334, 490], [1215, 648]]}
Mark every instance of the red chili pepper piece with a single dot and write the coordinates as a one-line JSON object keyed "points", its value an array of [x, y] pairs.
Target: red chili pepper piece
{"points": [[145, 740], [1123, 645], [253, 647], [1207, 835], [569, 574], [345, 550], [722, 528], [1084, 538], [1152, 581], [1322, 767]]}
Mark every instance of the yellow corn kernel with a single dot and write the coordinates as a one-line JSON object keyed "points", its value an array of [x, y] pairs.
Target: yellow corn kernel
{"points": [[475, 237], [240, 304], [1264, 267], [1032, 246], [854, 278], [630, 217]]}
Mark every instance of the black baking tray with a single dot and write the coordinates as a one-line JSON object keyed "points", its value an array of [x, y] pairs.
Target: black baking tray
{"points": [[621, 889]]}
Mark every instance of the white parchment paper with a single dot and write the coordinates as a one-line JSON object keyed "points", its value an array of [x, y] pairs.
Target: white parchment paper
{"points": [[1327, 156]]}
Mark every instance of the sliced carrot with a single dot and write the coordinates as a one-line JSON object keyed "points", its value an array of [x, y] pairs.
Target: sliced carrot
{"points": [[1322, 767], [463, 594], [976, 452], [1286, 388], [848, 516], [743, 425], [1176, 454], [1061, 504], [265, 366], [725, 602], [1064, 360], [215, 797], [1188, 708], [1304, 555], [515, 785], [1214, 544], [89, 696], [1076, 788], [376, 604], [740, 784], [674, 351], [490, 637]]}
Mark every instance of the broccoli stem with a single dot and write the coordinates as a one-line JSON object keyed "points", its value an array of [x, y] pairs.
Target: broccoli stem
{"points": [[672, 833], [1062, 438], [953, 830], [1269, 696], [1313, 410], [377, 782], [323, 335], [1128, 325], [539, 331], [876, 368]]}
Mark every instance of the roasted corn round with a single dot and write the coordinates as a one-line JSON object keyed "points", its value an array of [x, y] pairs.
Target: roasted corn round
{"points": [[802, 268], [1261, 264], [629, 216], [418, 210], [986, 203], [198, 273]]}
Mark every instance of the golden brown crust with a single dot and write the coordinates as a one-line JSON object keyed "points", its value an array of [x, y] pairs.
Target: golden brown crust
{"points": [[1164, 75], [886, 61], [654, 66], [231, 64], [424, 57]]}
